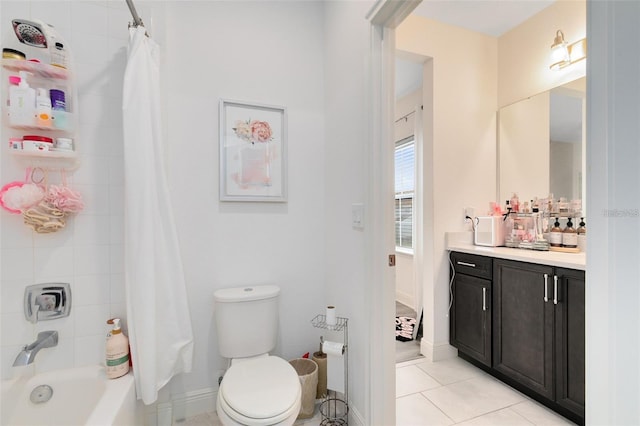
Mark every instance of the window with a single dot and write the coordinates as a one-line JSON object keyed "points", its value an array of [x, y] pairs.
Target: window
{"points": [[404, 186]]}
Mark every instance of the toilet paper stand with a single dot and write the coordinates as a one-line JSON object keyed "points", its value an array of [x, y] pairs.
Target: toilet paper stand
{"points": [[334, 409]]}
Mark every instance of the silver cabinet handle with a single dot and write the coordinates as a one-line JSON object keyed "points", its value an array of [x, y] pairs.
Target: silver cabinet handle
{"points": [[471, 265], [546, 292], [484, 298], [555, 289]]}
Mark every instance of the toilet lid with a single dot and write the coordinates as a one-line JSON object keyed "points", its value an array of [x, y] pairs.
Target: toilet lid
{"points": [[261, 388]]}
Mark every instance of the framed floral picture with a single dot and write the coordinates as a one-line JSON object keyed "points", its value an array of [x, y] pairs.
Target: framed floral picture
{"points": [[253, 154]]}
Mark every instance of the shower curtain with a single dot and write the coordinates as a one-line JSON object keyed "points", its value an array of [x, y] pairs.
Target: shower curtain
{"points": [[158, 317]]}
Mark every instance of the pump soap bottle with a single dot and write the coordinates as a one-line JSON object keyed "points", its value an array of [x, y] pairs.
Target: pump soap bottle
{"points": [[582, 236], [555, 236], [569, 236], [117, 351]]}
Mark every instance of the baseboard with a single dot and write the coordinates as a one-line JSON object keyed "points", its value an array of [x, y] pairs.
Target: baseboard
{"points": [[181, 407], [437, 352], [355, 418]]}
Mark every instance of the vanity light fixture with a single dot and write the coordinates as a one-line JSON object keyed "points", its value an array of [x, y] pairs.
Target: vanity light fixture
{"points": [[564, 54]]}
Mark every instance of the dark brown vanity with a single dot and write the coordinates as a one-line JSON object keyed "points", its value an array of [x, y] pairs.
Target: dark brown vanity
{"points": [[523, 323]]}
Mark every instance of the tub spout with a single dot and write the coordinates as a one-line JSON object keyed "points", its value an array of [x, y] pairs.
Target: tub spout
{"points": [[46, 339]]}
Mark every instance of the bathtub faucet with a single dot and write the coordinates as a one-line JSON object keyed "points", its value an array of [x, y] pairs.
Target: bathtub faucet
{"points": [[46, 339]]}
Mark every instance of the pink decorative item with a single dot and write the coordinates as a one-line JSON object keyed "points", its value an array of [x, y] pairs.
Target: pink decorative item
{"points": [[17, 197], [65, 199]]}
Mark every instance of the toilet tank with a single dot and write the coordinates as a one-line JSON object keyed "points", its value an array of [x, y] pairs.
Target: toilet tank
{"points": [[246, 320]]}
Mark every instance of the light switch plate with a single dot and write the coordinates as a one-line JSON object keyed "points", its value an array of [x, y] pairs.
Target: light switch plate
{"points": [[357, 215]]}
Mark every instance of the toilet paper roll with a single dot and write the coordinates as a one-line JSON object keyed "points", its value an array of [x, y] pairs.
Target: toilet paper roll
{"points": [[321, 359], [335, 365], [330, 318]]}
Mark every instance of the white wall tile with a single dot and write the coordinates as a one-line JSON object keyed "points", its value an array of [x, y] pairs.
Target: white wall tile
{"points": [[56, 358], [50, 262], [12, 296], [91, 260], [95, 197], [117, 259], [15, 234], [90, 49], [91, 320], [92, 290], [15, 329], [88, 17], [57, 14], [116, 229], [90, 229], [62, 238], [117, 289], [17, 263], [90, 350]]}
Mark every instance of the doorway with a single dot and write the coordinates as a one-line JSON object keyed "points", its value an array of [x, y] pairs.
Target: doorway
{"points": [[408, 183]]}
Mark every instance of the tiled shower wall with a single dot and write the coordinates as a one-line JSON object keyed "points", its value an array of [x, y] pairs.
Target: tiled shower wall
{"points": [[88, 253]]}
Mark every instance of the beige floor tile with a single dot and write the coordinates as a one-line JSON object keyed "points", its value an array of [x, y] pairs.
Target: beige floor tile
{"points": [[416, 410], [504, 417], [474, 397], [411, 379], [450, 370], [539, 414]]}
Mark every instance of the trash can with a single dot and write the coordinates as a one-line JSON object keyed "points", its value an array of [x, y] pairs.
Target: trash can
{"points": [[308, 374]]}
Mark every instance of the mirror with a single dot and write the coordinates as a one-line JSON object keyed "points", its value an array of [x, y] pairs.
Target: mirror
{"points": [[541, 145]]}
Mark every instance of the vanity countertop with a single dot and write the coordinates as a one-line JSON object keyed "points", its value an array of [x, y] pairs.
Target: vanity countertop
{"points": [[552, 258]]}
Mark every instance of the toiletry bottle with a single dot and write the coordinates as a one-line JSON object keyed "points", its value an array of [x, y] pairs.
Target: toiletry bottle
{"points": [[582, 230], [569, 236], [582, 235], [555, 236], [22, 102], [43, 108], [117, 351], [515, 203]]}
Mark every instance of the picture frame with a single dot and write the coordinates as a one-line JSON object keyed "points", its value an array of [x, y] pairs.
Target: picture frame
{"points": [[253, 152]]}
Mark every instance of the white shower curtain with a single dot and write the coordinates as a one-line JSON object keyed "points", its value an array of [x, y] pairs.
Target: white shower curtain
{"points": [[158, 317]]}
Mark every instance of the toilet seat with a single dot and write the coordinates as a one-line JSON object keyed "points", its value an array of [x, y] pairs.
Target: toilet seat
{"points": [[261, 391]]}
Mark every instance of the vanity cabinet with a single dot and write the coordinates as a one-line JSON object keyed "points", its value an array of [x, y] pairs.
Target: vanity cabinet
{"points": [[524, 323], [470, 324], [539, 330]]}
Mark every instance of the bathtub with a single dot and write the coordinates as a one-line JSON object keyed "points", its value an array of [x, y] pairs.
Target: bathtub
{"points": [[81, 396]]}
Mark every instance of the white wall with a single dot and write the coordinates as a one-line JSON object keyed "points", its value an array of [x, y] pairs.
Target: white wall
{"points": [[524, 52], [460, 146], [87, 253], [346, 47], [264, 52], [273, 55], [613, 154]]}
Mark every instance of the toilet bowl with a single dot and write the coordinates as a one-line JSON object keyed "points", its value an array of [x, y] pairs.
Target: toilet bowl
{"points": [[263, 391]]}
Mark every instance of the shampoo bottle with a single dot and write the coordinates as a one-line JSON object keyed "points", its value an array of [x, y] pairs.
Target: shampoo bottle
{"points": [[22, 102], [117, 351], [555, 236], [582, 235]]}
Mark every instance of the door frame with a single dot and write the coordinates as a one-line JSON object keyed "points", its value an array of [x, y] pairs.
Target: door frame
{"points": [[384, 17]]}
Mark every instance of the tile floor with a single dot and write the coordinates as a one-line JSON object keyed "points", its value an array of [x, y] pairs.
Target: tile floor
{"points": [[445, 393]]}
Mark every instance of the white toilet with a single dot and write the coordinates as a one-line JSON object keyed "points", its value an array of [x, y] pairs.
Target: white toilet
{"points": [[258, 389]]}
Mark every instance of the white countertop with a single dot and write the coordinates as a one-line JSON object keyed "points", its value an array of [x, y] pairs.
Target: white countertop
{"points": [[462, 243]]}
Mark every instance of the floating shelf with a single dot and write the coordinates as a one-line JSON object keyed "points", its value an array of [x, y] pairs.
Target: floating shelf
{"points": [[47, 159], [36, 68]]}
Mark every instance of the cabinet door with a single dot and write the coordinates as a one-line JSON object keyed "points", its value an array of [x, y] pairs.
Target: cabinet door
{"points": [[470, 325], [570, 332], [523, 324]]}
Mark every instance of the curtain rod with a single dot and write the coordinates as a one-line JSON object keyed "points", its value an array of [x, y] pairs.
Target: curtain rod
{"points": [[404, 117], [136, 18]]}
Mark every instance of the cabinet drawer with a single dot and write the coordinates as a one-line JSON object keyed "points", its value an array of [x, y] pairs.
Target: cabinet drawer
{"points": [[471, 264]]}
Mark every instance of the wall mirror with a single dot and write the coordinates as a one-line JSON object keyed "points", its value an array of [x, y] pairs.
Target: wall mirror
{"points": [[541, 145]]}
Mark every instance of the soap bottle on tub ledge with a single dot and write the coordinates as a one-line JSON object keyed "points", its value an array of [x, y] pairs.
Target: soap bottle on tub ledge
{"points": [[117, 349]]}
